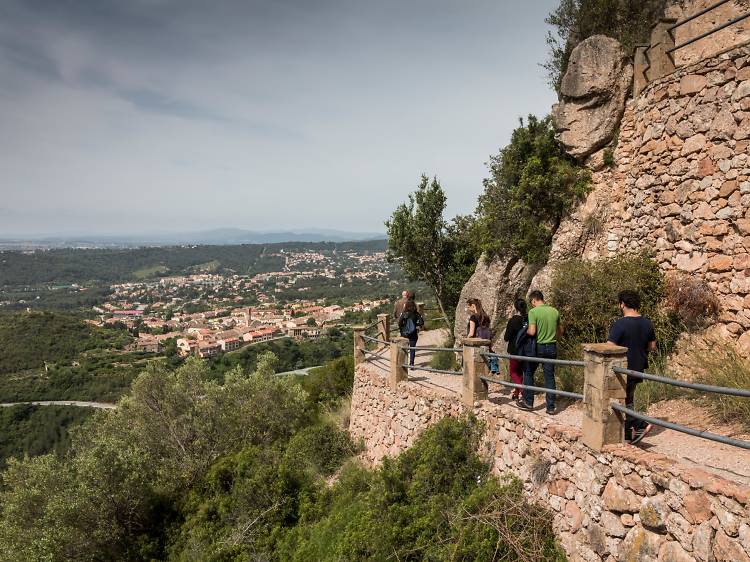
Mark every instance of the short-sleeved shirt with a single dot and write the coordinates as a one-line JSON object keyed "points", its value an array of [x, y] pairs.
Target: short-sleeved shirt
{"points": [[511, 331], [635, 333], [545, 318]]}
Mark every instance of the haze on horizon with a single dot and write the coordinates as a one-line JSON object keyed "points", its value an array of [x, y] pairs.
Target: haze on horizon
{"points": [[158, 115]]}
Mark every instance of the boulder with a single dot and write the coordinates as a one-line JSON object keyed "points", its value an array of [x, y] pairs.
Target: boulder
{"points": [[593, 94], [497, 283]]}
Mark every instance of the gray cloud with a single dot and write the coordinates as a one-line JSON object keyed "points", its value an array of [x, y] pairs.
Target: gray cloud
{"points": [[128, 116]]}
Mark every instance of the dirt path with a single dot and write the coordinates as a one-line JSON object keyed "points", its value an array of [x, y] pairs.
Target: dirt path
{"points": [[729, 462], [77, 403]]}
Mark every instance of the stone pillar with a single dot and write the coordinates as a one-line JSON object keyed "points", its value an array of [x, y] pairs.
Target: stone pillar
{"points": [[660, 62], [399, 358], [384, 327], [640, 67], [359, 345], [602, 425], [475, 366]]}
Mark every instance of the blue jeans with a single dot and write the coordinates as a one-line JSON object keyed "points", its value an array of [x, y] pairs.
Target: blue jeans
{"points": [[547, 351], [412, 343]]}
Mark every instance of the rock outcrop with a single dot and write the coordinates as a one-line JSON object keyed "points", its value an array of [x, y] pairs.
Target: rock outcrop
{"points": [[593, 92], [497, 284]]}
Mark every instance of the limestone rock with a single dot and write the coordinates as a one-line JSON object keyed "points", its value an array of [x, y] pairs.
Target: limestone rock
{"points": [[640, 546], [593, 90], [673, 552], [654, 513], [617, 498], [728, 550], [497, 284]]}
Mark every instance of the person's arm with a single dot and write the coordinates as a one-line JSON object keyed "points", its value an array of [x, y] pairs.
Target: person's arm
{"points": [[531, 330], [508, 328], [472, 329], [652, 345]]}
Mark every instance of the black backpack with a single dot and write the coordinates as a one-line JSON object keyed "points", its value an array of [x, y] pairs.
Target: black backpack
{"points": [[408, 323]]}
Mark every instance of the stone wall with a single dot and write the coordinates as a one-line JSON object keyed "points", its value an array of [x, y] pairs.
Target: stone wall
{"points": [[624, 504], [680, 185]]}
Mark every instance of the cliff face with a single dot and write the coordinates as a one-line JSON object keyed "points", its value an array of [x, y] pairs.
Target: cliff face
{"points": [[680, 184]]}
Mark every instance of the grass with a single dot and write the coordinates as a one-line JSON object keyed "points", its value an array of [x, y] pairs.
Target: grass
{"points": [[723, 366], [148, 272]]}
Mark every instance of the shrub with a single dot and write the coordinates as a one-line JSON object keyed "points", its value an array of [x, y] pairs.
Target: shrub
{"points": [[692, 301], [329, 384], [445, 359], [723, 366], [533, 184], [628, 21], [585, 293]]}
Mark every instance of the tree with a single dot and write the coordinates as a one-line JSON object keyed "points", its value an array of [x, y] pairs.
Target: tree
{"points": [[311, 321], [430, 249], [533, 184]]}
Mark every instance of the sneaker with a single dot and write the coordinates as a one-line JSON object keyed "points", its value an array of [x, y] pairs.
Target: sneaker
{"points": [[640, 433], [551, 411], [525, 405]]}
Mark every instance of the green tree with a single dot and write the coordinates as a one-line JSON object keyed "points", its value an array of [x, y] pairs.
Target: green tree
{"points": [[430, 249], [628, 21], [533, 184]]}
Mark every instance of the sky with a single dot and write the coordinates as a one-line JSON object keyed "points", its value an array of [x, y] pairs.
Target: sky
{"points": [[181, 115]]}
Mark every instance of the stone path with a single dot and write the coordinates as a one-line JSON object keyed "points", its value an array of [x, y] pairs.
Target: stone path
{"points": [[729, 462]]}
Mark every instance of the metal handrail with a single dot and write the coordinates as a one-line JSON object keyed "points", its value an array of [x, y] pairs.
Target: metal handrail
{"points": [[567, 362], [375, 353], [376, 340], [691, 385], [565, 393], [709, 32], [370, 326], [418, 348], [681, 428], [431, 370], [697, 15]]}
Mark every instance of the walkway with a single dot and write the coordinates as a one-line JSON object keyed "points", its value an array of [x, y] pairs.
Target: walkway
{"points": [[729, 462], [77, 403]]}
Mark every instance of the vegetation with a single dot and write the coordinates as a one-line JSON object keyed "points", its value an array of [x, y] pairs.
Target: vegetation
{"points": [[187, 468], [723, 366], [430, 249], [585, 293], [37, 430], [31, 339], [692, 301], [628, 21], [532, 186]]}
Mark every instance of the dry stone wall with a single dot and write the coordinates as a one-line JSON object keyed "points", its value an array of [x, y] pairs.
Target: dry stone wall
{"points": [[621, 505]]}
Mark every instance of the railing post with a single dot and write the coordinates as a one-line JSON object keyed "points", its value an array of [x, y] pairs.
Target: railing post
{"points": [[359, 345], [601, 425], [399, 358], [384, 327], [475, 366], [420, 308], [661, 62], [640, 68]]}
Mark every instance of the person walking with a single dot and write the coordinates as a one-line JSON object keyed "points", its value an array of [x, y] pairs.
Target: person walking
{"points": [[479, 326], [637, 334], [515, 325], [399, 306], [409, 324], [544, 325]]}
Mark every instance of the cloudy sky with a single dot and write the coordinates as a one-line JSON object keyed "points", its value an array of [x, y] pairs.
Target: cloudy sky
{"points": [[142, 115]]}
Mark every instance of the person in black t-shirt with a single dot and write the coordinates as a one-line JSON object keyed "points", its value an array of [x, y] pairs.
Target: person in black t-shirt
{"points": [[637, 334], [515, 366]]}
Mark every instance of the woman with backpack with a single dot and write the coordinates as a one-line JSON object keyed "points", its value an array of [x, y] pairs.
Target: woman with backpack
{"points": [[515, 325], [409, 323], [479, 327]]}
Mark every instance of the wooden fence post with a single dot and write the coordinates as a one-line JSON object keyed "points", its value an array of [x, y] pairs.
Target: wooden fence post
{"points": [[384, 327], [601, 424], [475, 366], [359, 345], [399, 358]]}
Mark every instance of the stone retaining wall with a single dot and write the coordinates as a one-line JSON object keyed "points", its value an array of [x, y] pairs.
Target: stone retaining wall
{"points": [[624, 504]]}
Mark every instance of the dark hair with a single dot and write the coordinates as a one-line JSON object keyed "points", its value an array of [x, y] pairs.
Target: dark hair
{"points": [[536, 296], [410, 295], [629, 299], [410, 306], [484, 320], [521, 307]]}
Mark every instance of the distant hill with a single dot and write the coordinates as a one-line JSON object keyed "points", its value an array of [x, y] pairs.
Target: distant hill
{"points": [[218, 236], [66, 265]]}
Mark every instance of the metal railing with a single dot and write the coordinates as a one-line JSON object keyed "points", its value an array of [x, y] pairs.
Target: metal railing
{"points": [[707, 33], [565, 393], [431, 370], [564, 362]]}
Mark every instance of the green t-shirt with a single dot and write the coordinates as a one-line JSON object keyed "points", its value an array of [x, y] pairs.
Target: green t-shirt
{"points": [[545, 318]]}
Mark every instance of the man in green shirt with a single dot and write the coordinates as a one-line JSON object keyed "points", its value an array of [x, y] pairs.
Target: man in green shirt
{"points": [[544, 323]]}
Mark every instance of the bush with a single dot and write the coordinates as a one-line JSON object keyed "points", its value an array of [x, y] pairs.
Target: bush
{"points": [[723, 366], [628, 21], [329, 384], [533, 184], [585, 293], [445, 359], [692, 301]]}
